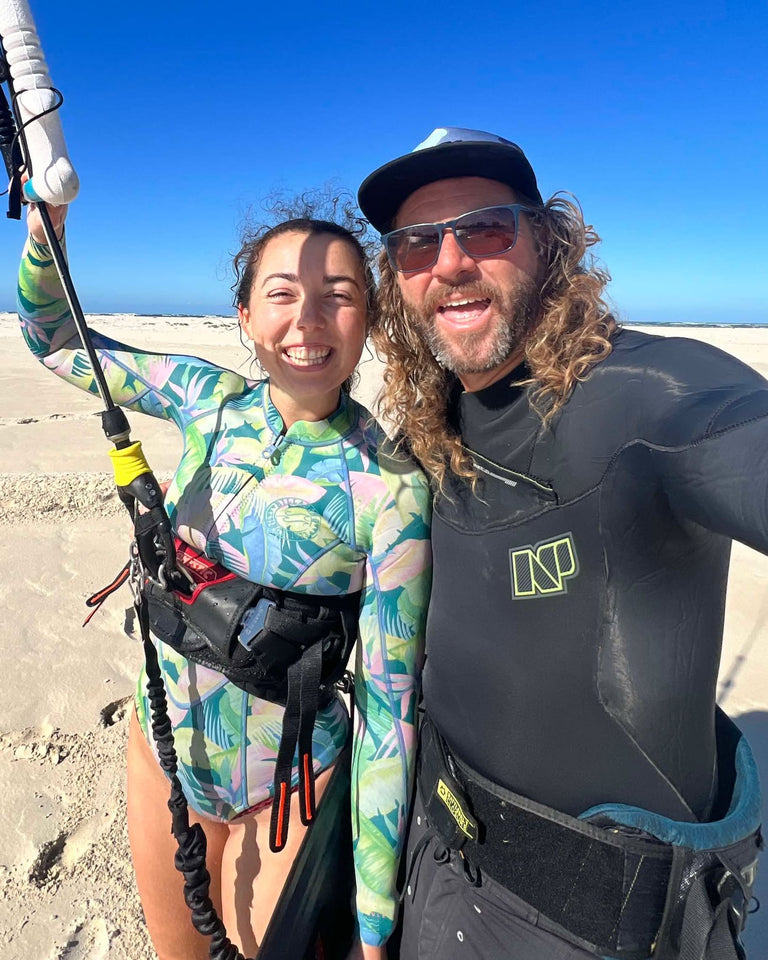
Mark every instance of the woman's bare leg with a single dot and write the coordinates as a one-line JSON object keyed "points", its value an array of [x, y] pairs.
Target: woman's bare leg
{"points": [[252, 877], [153, 848], [246, 877]]}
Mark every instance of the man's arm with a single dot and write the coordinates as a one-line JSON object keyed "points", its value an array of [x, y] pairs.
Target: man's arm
{"points": [[720, 480]]}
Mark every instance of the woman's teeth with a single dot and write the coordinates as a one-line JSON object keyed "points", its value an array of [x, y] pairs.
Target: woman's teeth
{"points": [[307, 356]]}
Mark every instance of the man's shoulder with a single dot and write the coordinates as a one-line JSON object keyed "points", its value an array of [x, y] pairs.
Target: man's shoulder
{"points": [[668, 388], [641, 356]]}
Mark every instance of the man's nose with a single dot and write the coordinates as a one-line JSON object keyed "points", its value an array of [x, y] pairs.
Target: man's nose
{"points": [[452, 261]]}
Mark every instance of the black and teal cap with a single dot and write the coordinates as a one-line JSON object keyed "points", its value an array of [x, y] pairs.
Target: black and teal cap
{"points": [[447, 152]]}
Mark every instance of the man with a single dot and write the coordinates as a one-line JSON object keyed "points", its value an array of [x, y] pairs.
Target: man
{"points": [[579, 793]]}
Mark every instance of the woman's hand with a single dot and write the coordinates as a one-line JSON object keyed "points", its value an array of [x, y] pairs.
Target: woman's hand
{"points": [[374, 953], [35, 223], [363, 951]]}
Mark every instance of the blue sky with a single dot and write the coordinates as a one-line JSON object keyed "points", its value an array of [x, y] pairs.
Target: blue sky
{"points": [[181, 116]]}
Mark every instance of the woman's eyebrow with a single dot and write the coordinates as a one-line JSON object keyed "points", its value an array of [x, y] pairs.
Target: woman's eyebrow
{"points": [[340, 278], [292, 277]]}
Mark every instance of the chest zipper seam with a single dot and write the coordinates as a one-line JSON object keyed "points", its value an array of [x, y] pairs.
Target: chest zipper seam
{"points": [[525, 477]]}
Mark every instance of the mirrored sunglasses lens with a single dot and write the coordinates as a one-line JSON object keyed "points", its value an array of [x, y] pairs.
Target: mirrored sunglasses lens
{"points": [[413, 249], [486, 232]]}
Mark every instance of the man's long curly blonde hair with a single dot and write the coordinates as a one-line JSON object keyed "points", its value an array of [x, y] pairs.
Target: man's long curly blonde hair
{"points": [[570, 332]]}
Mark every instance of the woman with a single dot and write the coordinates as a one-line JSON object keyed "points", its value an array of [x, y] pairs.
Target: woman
{"points": [[288, 482]]}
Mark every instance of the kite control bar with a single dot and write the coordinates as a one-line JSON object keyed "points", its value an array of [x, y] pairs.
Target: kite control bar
{"points": [[32, 143], [35, 102]]}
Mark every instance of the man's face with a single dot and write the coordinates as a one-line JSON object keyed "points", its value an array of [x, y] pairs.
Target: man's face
{"points": [[474, 313]]}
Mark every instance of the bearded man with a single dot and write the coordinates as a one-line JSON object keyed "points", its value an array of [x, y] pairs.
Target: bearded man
{"points": [[579, 793]]}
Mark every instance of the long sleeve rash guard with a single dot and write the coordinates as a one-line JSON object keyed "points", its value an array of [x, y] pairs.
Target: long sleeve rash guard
{"points": [[331, 510]]}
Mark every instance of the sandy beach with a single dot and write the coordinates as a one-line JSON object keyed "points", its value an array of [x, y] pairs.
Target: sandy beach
{"points": [[66, 884]]}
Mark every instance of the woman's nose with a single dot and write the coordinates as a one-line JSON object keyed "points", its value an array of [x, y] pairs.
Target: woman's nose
{"points": [[310, 314]]}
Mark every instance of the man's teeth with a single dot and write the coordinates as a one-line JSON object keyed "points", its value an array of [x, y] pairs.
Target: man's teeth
{"points": [[307, 356], [464, 309]]}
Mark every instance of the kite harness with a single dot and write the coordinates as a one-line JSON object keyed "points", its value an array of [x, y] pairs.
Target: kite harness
{"points": [[288, 648]]}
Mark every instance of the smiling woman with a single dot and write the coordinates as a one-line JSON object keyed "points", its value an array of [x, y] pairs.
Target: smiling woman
{"points": [[306, 311], [289, 484]]}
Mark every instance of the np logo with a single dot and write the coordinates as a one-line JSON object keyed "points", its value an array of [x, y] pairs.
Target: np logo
{"points": [[543, 570]]}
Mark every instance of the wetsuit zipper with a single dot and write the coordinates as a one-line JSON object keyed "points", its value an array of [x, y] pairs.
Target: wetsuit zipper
{"points": [[510, 477], [272, 452]]}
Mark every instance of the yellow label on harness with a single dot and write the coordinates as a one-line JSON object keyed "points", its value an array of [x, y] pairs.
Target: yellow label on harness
{"points": [[453, 804]]}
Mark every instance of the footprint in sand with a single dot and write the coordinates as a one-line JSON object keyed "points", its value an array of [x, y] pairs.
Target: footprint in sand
{"points": [[46, 864], [85, 836], [90, 941], [115, 712]]}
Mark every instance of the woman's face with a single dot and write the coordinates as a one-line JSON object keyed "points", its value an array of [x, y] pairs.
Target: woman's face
{"points": [[306, 316]]}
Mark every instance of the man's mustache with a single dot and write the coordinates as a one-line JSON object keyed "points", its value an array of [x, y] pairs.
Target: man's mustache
{"points": [[465, 291]]}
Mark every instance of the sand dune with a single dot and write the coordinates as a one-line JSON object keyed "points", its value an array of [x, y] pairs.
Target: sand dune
{"points": [[66, 886]]}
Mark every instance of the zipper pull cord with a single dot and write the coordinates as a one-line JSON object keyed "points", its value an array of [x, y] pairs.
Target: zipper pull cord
{"points": [[271, 452]]}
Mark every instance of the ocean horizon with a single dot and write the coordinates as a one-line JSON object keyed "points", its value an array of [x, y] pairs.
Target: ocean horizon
{"points": [[624, 323], [233, 317]]}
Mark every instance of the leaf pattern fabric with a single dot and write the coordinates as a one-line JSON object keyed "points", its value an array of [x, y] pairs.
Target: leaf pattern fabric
{"points": [[325, 507]]}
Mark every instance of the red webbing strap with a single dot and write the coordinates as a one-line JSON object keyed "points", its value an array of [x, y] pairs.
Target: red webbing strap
{"points": [[96, 599]]}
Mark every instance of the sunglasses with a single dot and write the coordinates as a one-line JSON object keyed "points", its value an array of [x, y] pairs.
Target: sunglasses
{"points": [[487, 232]]}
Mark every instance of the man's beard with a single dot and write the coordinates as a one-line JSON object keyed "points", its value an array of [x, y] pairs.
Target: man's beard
{"points": [[479, 351]]}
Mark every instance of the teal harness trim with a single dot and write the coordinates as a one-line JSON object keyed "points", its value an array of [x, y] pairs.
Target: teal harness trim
{"points": [[741, 819]]}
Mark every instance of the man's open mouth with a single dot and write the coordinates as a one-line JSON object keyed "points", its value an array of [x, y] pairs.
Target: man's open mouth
{"points": [[463, 310]]}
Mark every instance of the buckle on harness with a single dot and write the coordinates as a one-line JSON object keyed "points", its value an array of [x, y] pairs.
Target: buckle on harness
{"points": [[735, 886], [253, 621]]}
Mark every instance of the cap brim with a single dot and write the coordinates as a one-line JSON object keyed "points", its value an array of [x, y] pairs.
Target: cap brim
{"points": [[383, 192]]}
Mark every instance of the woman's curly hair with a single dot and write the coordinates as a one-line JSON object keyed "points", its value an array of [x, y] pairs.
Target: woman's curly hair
{"points": [[570, 333], [314, 212]]}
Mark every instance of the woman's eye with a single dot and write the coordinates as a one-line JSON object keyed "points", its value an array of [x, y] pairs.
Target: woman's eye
{"points": [[278, 294], [341, 295]]}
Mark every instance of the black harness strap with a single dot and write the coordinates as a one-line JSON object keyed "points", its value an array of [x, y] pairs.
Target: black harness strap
{"points": [[565, 869], [612, 889], [311, 667], [281, 802], [298, 726], [712, 915]]}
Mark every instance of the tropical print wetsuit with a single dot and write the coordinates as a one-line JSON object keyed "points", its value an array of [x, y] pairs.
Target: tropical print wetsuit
{"points": [[323, 507]]}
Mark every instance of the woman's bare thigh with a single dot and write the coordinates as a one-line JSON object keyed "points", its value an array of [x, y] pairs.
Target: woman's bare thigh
{"points": [[247, 878], [252, 876], [153, 847]]}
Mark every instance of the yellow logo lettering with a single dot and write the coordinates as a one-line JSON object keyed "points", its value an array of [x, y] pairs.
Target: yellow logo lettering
{"points": [[542, 570], [454, 808]]}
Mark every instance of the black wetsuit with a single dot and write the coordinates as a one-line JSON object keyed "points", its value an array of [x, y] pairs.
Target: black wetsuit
{"points": [[576, 617], [577, 606]]}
